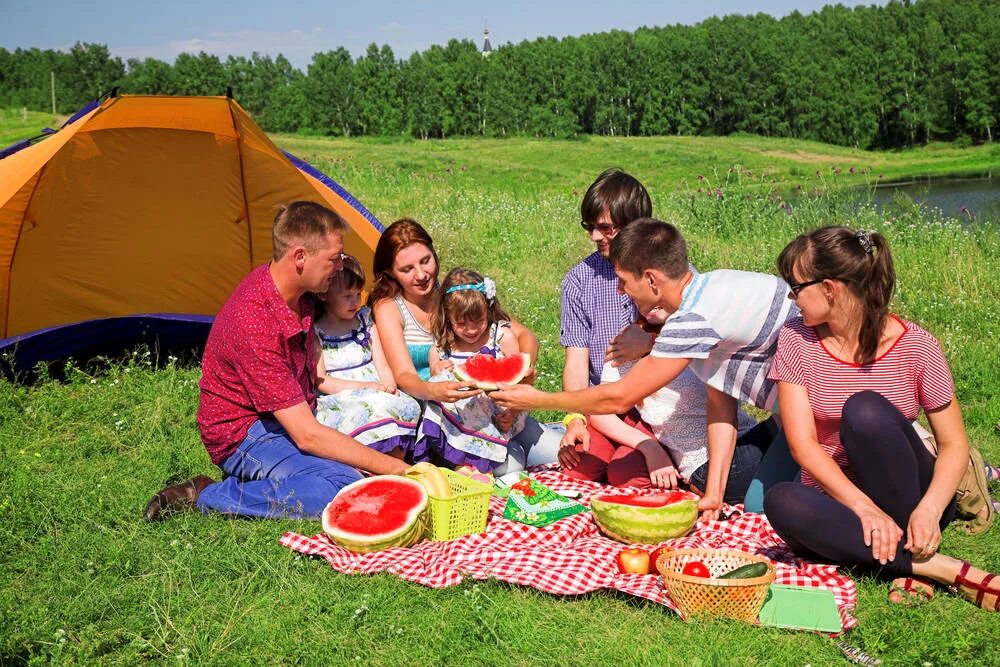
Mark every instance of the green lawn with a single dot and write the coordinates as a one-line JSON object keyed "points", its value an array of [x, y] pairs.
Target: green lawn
{"points": [[17, 124], [83, 579]]}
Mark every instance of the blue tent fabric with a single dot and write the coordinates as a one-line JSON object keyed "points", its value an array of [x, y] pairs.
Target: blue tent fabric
{"points": [[108, 337]]}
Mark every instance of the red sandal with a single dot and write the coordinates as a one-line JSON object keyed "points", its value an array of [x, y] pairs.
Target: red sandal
{"points": [[982, 588], [914, 591]]}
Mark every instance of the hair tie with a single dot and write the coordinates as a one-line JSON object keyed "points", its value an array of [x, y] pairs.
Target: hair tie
{"points": [[487, 287], [865, 239]]}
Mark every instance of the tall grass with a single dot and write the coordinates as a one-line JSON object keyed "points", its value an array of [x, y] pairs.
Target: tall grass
{"points": [[83, 579]]}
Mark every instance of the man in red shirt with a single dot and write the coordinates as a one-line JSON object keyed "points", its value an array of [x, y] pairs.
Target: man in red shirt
{"points": [[258, 388]]}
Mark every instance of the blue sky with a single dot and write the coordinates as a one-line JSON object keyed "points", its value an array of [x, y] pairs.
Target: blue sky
{"points": [[163, 29]]}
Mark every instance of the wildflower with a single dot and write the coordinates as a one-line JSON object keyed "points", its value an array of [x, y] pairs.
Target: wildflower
{"points": [[851, 170], [700, 177], [817, 173]]}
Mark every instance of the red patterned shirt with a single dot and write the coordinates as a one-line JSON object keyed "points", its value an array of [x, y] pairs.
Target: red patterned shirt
{"points": [[257, 360], [912, 374]]}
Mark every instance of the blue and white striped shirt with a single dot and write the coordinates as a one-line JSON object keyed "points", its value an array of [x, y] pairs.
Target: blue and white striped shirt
{"points": [[727, 325]]}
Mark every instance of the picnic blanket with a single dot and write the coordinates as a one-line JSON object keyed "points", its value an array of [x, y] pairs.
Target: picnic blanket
{"points": [[570, 556]]}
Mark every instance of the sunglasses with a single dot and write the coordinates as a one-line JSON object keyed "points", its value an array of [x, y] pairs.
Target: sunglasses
{"points": [[798, 287], [604, 229]]}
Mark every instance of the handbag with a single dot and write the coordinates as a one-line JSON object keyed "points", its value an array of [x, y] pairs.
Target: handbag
{"points": [[973, 493]]}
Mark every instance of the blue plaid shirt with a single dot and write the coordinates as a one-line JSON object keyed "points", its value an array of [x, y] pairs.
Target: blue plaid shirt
{"points": [[592, 310]]}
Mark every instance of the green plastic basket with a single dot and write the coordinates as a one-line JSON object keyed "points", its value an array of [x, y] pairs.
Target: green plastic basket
{"points": [[464, 513]]}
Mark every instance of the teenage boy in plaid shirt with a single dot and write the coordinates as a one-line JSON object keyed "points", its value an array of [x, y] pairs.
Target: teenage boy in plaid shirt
{"points": [[723, 324]]}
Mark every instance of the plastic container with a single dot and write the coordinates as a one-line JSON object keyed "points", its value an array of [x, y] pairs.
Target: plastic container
{"points": [[465, 513], [728, 598]]}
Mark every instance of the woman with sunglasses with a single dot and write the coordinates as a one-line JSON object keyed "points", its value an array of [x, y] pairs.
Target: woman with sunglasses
{"points": [[851, 379]]}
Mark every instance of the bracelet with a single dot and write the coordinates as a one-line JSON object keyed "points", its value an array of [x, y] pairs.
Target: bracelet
{"points": [[571, 416]]}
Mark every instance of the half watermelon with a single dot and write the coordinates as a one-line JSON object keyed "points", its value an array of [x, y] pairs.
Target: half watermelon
{"points": [[377, 513], [486, 372], [645, 518]]}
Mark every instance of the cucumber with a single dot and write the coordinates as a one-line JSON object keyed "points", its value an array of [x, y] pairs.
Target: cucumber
{"points": [[746, 571]]}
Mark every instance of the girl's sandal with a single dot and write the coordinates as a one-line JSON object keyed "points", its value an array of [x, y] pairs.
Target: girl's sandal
{"points": [[976, 592], [912, 592]]}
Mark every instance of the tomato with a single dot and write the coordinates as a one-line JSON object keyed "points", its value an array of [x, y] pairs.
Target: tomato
{"points": [[696, 568]]}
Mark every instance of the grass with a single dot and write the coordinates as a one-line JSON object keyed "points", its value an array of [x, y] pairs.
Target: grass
{"points": [[17, 124], [82, 579]]}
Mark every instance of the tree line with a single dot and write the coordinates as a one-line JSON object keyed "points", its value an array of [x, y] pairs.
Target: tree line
{"points": [[872, 77]]}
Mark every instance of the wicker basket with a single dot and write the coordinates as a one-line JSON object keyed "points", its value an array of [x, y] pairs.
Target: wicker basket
{"points": [[729, 598], [464, 513]]}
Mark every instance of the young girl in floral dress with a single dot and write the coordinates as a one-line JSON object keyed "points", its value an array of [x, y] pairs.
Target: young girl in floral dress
{"points": [[466, 321], [361, 398]]}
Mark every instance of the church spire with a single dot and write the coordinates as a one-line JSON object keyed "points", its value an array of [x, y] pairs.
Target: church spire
{"points": [[487, 48]]}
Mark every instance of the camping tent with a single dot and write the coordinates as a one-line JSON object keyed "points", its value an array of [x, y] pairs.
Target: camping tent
{"points": [[142, 214]]}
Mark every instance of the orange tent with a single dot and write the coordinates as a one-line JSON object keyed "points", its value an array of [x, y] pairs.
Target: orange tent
{"points": [[147, 205]]}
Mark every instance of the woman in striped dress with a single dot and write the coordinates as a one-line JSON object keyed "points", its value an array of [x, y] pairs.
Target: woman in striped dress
{"points": [[851, 379]]}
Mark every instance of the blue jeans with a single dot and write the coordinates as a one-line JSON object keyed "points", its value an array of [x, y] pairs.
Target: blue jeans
{"points": [[750, 449], [534, 445], [269, 477], [776, 467]]}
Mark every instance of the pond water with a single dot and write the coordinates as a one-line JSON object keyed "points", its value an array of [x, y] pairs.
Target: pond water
{"points": [[971, 199]]}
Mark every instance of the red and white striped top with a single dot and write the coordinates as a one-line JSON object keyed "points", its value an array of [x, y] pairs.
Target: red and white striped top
{"points": [[912, 374]]}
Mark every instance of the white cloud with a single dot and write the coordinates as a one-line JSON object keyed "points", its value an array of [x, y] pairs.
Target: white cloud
{"points": [[297, 45], [391, 26]]}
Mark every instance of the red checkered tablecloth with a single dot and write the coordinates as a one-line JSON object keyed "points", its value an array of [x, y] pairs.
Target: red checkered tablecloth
{"points": [[570, 556]]}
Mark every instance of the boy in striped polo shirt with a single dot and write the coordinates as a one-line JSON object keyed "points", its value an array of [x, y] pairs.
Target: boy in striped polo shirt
{"points": [[723, 324]]}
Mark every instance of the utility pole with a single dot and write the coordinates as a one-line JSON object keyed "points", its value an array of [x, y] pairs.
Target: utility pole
{"points": [[53, 75]]}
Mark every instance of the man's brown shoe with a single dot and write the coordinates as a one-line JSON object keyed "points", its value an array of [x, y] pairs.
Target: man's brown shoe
{"points": [[176, 498]]}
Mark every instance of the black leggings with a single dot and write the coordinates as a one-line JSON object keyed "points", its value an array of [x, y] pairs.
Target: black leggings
{"points": [[891, 466]]}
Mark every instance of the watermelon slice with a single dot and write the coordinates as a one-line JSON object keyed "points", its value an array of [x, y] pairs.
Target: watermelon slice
{"points": [[377, 513], [645, 518], [486, 372]]}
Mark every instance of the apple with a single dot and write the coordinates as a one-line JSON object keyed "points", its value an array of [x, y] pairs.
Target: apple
{"points": [[633, 561], [654, 556]]}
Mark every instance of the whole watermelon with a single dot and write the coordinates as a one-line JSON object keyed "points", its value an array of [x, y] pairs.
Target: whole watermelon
{"points": [[645, 518]]}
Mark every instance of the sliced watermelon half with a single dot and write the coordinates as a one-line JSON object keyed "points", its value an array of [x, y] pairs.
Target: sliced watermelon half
{"points": [[645, 518], [658, 499], [376, 513], [486, 372]]}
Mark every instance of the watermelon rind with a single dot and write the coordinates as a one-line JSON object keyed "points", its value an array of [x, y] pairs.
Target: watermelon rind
{"points": [[632, 524], [462, 374], [408, 534]]}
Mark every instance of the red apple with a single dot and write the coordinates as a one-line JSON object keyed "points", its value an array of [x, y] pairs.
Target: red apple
{"points": [[633, 561], [655, 556]]}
